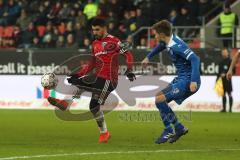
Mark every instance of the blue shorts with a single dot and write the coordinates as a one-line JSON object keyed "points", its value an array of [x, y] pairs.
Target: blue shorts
{"points": [[178, 90]]}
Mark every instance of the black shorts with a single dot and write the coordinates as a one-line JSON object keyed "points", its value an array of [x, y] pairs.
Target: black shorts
{"points": [[227, 85], [99, 87]]}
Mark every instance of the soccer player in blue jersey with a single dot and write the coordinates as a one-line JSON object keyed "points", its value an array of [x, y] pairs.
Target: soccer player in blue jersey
{"points": [[184, 85]]}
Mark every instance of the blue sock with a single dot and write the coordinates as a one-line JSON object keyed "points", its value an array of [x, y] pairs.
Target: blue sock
{"points": [[166, 114], [178, 125]]}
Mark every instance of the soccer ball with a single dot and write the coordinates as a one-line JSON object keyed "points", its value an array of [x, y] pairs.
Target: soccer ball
{"points": [[49, 81]]}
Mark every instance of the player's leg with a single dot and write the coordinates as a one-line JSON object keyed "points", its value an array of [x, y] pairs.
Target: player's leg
{"points": [[229, 93], [230, 99], [62, 104], [98, 99], [85, 83], [230, 102], [98, 114], [179, 128], [181, 91], [166, 114], [174, 91], [224, 101], [82, 84], [65, 103]]}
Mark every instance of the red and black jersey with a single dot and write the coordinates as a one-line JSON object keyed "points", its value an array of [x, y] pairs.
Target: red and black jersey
{"points": [[105, 58]]}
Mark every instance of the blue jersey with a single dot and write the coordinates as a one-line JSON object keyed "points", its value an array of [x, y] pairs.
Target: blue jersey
{"points": [[185, 60]]}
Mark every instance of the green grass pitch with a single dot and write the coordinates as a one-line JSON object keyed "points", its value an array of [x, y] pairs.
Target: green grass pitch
{"points": [[39, 134]]}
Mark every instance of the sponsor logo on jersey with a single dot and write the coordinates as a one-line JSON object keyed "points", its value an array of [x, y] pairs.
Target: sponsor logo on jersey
{"points": [[106, 48], [104, 44], [101, 53], [175, 91]]}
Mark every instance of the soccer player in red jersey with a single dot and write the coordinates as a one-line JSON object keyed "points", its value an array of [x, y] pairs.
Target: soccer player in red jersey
{"points": [[106, 50]]}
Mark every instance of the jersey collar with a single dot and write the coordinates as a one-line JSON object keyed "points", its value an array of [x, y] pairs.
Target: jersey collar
{"points": [[171, 42]]}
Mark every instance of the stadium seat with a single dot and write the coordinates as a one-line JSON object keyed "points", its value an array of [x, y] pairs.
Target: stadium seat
{"points": [[196, 43], [8, 32], [151, 32], [153, 43], [61, 28], [1, 31], [41, 30]]}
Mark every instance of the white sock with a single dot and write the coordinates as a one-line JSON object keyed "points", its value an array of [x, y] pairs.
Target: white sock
{"points": [[103, 129], [101, 122]]}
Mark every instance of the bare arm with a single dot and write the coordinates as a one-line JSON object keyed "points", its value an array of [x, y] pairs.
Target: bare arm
{"points": [[233, 63]]}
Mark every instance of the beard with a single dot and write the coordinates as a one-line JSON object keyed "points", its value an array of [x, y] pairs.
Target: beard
{"points": [[97, 36]]}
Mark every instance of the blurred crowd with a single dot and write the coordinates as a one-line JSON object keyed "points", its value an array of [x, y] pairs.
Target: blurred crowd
{"points": [[66, 23]]}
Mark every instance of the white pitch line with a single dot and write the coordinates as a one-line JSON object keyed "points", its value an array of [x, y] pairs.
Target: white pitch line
{"points": [[117, 152]]}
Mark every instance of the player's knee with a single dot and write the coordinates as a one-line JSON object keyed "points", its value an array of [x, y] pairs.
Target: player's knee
{"points": [[161, 106], [160, 98], [94, 106]]}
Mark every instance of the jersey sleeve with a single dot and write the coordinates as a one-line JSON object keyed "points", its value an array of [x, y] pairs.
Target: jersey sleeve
{"points": [[129, 59], [161, 46], [185, 52], [124, 50], [123, 47]]}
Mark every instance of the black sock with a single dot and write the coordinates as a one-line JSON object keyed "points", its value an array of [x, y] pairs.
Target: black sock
{"points": [[224, 102], [230, 103]]}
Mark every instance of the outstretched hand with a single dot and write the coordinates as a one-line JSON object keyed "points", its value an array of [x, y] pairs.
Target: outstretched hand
{"points": [[72, 78], [193, 86], [145, 62], [131, 76]]}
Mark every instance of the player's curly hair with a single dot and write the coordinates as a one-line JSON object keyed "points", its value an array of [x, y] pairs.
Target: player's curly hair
{"points": [[164, 27]]}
